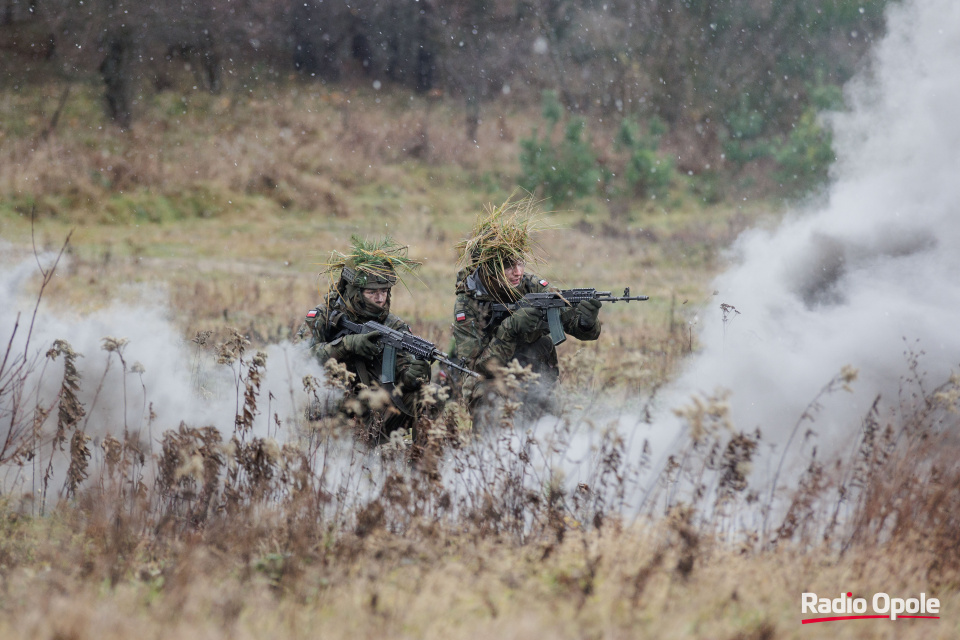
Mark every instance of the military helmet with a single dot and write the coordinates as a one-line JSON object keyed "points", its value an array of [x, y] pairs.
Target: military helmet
{"points": [[371, 264], [502, 236], [384, 277]]}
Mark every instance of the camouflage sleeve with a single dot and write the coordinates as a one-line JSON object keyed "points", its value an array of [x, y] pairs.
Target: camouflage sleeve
{"points": [[571, 326], [319, 345], [480, 352]]}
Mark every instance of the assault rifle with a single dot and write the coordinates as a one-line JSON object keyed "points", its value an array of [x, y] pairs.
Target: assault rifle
{"points": [[553, 301], [393, 340]]}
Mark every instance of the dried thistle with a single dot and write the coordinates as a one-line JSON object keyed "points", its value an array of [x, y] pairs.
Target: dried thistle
{"points": [[71, 410], [112, 452], [515, 377], [188, 458], [706, 415], [848, 374], [244, 419], [79, 460], [232, 349], [400, 440], [680, 521], [260, 462], [799, 516], [735, 465], [190, 469], [111, 344], [433, 394], [375, 398], [337, 375]]}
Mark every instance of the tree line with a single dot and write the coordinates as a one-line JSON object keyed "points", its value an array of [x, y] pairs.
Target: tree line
{"points": [[738, 68]]}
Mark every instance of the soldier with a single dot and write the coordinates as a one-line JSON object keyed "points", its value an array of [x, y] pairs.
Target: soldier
{"points": [[361, 293], [494, 271]]}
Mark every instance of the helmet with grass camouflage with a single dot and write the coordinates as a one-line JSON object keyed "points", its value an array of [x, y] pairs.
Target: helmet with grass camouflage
{"points": [[383, 278], [371, 264], [502, 237]]}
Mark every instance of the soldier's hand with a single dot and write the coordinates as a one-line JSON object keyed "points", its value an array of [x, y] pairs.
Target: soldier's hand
{"points": [[416, 374], [525, 322], [362, 344], [587, 312]]}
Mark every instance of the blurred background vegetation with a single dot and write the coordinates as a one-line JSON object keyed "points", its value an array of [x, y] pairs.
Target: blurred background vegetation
{"points": [[620, 97]]}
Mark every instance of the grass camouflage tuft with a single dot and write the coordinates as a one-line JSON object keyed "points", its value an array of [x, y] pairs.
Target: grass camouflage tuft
{"points": [[503, 235], [382, 258]]}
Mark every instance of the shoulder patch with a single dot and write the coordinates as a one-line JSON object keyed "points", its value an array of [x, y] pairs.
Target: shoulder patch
{"points": [[543, 283], [312, 313], [461, 316]]}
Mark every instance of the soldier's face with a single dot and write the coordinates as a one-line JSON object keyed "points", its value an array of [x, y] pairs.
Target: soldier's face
{"points": [[376, 296], [514, 273]]}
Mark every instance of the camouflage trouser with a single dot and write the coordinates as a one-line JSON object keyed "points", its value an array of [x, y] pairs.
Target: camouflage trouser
{"points": [[541, 356], [536, 397]]}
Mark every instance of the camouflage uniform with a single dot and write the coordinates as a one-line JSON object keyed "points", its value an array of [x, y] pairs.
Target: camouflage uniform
{"points": [[476, 343], [327, 341]]}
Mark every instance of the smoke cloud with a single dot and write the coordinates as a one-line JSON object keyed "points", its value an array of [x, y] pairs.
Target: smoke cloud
{"points": [[161, 373], [869, 278]]}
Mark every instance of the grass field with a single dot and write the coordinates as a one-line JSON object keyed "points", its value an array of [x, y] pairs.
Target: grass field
{"points": [[234, 204], [224, 208]]}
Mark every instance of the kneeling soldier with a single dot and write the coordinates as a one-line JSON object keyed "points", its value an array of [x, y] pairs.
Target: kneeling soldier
{"points": [[361, 293], [494, 271]]}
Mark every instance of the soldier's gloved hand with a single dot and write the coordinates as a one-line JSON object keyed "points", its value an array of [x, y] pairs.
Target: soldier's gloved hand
{"points": [[524, 322], [588, 311], [416, 374], [362, 344]]}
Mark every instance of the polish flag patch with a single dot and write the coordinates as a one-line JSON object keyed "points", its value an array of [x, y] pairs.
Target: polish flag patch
{"points": [[312, 313], [461, 316], [544, 283]]}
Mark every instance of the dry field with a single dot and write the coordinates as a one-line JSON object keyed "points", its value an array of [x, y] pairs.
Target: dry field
{"points": [[224, 208]]}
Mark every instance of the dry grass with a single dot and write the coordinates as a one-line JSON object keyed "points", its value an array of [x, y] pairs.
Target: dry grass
{"points": [[400, 568], [227, 535], [259, 273], [259, 187], [209, 534]]}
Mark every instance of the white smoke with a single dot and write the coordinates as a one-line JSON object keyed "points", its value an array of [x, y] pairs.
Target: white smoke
{"points": [[855, 282], [868, 276], [868, 280], [163, 379]]}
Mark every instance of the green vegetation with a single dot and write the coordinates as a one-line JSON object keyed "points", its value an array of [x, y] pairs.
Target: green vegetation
{"points": [[805, 157], [570, 169], [563, 170], [647, 172]]}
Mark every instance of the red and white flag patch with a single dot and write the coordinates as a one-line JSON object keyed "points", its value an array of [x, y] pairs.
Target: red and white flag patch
{"points": [[461, 316], [312, 313], [544, 283]]}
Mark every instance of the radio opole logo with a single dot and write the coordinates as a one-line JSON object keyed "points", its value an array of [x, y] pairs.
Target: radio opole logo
{"points": [[846, 607]]}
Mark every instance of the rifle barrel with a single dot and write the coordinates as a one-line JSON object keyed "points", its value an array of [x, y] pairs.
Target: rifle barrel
{"points": [[623, 298], [443, 359]]}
